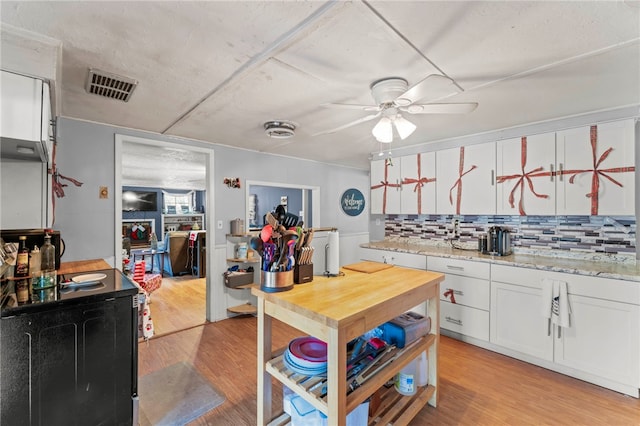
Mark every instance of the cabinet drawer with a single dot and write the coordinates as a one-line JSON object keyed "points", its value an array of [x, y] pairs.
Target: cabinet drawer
{"points": [[407, 260], [459, 267], [467, 291], [465, 320], [582, 285]]}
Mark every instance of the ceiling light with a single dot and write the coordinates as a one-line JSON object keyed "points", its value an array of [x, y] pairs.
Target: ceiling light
{"points": [[404, 126], [383, 132], [279, 129]]}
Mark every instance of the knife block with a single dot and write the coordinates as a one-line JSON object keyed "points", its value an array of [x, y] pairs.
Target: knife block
{"points": [[303, 273]]}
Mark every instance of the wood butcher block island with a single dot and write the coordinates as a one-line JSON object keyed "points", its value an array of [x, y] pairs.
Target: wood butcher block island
{"points": [[337, 310]]}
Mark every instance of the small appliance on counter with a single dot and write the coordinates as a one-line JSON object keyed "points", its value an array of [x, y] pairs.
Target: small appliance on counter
{"points": [[498, 241]]}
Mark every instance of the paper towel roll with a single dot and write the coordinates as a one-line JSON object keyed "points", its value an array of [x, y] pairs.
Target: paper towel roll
{"points": [[333, 253]]}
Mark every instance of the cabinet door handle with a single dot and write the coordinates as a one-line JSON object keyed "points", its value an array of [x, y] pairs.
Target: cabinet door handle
{"points": [[560, 168], [551, 168], [453, 320], [493, 177], [455, 268]]}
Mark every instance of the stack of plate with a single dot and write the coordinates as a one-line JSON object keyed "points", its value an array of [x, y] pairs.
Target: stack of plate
{"points": [[307, 356]]}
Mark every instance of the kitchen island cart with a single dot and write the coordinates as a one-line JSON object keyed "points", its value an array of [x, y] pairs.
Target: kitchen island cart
{"points": [[337, 310]]}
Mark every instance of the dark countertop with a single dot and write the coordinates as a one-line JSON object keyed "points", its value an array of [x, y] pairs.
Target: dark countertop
{"points": [[115, 284], [598, 265]]}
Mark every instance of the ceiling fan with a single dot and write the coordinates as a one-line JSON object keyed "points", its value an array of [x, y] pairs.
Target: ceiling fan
{"points": [[393, 96]]}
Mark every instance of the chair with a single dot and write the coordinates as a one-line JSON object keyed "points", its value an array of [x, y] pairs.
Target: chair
{"points": [[176, 246]]}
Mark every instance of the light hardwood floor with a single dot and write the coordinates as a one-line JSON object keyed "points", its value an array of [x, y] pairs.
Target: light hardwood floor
{"points": [[478, 387], [179, 304]]}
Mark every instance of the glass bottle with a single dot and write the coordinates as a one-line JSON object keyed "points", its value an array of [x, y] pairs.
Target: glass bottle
{"points": [[34, 267], [23, 291], [48, 263], [22, 259]]}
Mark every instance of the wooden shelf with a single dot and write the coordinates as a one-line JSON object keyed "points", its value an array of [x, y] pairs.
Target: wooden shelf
{"points": [[310, 387], [244, 286], [244, 309], [245, 260], [398, 410]]}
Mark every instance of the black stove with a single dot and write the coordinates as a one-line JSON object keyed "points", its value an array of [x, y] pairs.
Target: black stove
{"points": [[114, 284]]}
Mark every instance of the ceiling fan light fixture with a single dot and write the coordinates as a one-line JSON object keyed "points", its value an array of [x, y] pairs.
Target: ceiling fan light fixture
{"points": [[383, 131], [404, 127]]}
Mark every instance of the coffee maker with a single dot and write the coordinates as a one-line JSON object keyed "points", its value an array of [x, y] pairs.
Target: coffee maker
{"points": [[498, 241]]}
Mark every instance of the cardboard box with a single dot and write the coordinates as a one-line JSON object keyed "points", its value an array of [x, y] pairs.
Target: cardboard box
{"points": [[237, 278]]}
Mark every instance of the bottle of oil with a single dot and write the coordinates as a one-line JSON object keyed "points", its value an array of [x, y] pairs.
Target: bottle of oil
{"points": [[22, 259]]}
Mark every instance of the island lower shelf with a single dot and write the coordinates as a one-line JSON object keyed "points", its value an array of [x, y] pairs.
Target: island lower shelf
{"points": [[313, 388]]}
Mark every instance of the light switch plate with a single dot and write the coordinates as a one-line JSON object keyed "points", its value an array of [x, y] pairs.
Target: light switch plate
{"points": [[219, 224]]}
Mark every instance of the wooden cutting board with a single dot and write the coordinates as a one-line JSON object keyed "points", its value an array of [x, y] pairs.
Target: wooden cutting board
{"points": [[368, 267]]}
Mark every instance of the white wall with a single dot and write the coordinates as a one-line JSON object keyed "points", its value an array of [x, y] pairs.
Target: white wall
{"points": [[86, 153]]}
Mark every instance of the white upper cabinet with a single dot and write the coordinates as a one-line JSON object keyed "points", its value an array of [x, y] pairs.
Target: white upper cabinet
{"points": [[385, 187], [465, 180], [404, 185], [418, 195], [596, 169], [25, 108], [525, 180]]}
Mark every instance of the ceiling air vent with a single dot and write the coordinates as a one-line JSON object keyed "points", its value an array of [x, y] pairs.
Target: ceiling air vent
{"points": [[110, 85], [279, 129]]}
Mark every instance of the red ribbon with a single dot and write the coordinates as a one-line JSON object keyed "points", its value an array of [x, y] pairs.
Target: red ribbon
{"points": [[449, 294], [458, 181], [420, 182], [596, 171], [385, 184], [522, 177]]}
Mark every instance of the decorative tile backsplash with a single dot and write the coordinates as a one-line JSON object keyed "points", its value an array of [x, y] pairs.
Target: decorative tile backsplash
{"points": [[570, 234]]}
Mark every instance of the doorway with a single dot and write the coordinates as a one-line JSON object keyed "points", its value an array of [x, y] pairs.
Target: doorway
{"points": [[151, 163]]}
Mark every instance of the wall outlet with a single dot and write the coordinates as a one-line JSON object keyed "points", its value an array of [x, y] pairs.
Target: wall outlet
{"points": [[455, 228]]}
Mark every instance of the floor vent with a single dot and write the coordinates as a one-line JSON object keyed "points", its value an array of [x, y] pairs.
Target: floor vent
{"points": [[110, 85]]}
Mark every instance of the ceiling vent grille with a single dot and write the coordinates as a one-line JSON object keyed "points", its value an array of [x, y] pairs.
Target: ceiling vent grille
{"points": [[110, 85]]}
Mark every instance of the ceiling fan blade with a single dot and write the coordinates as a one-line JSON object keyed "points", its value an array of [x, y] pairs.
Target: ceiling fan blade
{"points": [[435, 86], [353, 123], [352, 106], [461, 108]]}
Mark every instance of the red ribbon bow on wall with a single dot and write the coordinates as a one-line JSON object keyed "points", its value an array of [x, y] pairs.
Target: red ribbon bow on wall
{"points": [[458, 182], [596, 171], [420, 182], [385, 184], [522, 177]]}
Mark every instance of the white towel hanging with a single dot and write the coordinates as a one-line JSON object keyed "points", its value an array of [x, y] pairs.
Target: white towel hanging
{"points": [[561, 309], [547, 302]]}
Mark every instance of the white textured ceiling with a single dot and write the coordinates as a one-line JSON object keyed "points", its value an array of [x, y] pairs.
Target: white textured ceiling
{"points": [[216, 71]]}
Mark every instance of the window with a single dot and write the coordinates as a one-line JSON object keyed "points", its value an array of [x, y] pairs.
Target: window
{"points": [[179, 203]]}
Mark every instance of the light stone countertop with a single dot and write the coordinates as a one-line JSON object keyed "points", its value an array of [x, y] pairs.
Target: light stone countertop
{"points": [[598, 265]]}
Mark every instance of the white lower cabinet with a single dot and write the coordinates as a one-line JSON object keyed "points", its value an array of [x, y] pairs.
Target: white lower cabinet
{"points": [[465, 320], [603, 340], [464, 296], [602, 343], [516, 321], [407, 260]]}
